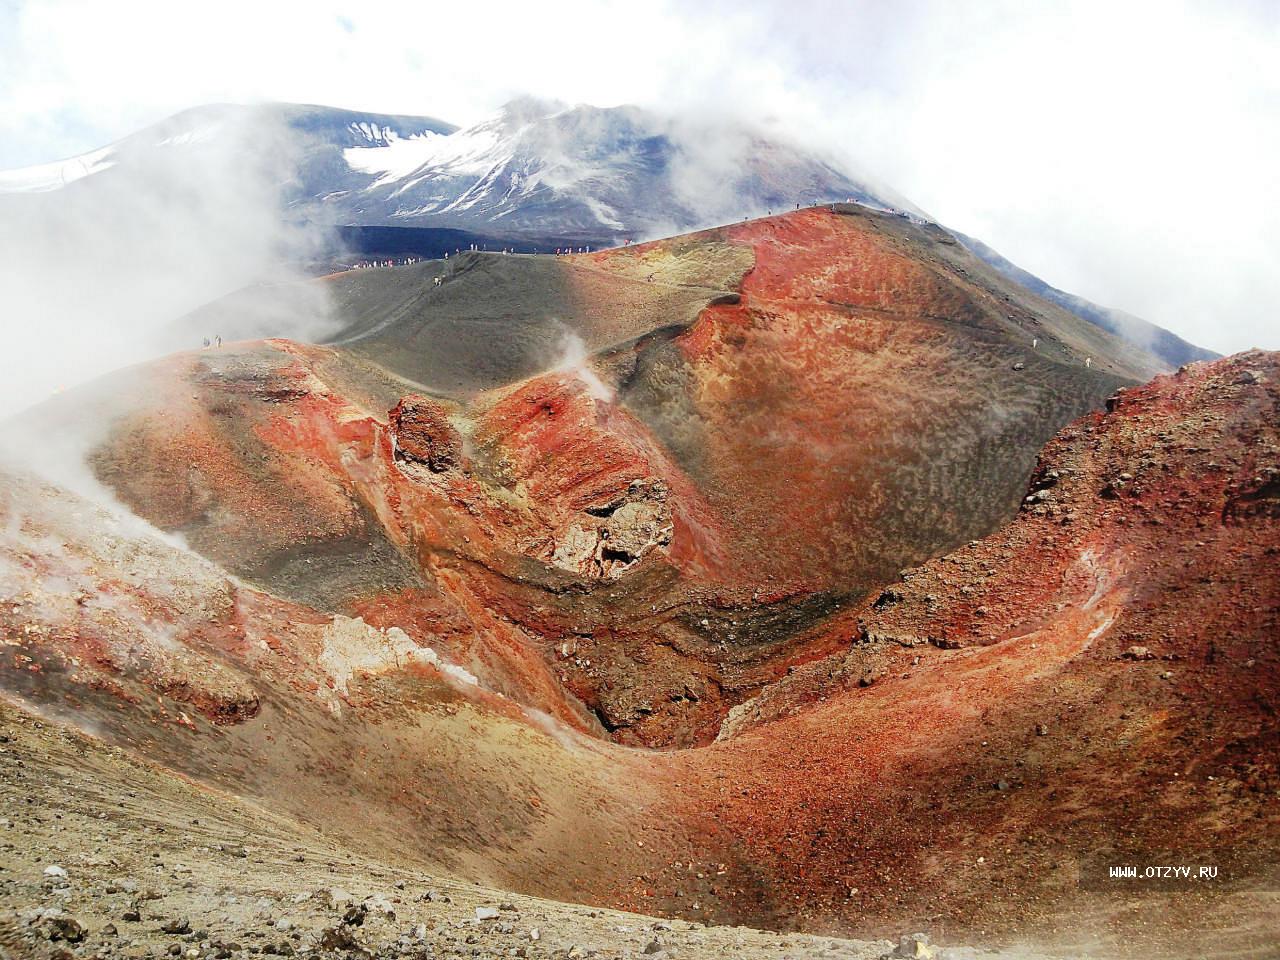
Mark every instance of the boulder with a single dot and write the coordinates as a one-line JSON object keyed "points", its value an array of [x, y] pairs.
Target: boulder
{"points": [[636, 527], [608, 540], [915, 945], [64, 928], [424, 434]]}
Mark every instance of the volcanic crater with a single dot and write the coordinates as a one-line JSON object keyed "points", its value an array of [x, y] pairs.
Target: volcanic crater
{"points": [[788, 573]]}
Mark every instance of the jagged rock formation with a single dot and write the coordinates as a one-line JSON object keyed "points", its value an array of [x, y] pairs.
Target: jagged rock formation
{"points": [[621, 533]]}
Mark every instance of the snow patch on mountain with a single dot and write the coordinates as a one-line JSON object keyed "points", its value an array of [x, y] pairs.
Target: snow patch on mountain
{"points": [[465, 153], [188, 137]]}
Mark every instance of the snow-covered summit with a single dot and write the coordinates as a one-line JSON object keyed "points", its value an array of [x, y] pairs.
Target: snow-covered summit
{"points": [[544, 168], [536, 168]]}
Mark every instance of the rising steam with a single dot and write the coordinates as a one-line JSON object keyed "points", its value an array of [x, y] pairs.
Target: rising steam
{"points": [[97, 267], [573, 360]]}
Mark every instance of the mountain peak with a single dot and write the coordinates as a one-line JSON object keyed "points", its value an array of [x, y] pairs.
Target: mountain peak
{"points": [[528, 109], [539, 172]]}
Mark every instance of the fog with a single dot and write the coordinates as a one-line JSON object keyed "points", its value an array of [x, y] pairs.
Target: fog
{"points": [[97, 273]]}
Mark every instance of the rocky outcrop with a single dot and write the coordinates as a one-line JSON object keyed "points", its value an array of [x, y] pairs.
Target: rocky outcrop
{"points": [[607, 541], [424, 434]]}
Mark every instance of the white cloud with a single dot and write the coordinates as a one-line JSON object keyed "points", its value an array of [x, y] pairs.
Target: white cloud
{"points": [[1121, 151]]}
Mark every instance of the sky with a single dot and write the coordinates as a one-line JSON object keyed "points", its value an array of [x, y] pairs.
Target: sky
{"points": [[1124, 151]]}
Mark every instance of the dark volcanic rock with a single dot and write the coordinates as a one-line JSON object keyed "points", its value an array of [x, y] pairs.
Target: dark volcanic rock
{"points": [[423, 433]]}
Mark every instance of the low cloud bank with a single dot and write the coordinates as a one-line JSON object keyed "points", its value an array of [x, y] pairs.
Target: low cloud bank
{"points": [[96, 271]]}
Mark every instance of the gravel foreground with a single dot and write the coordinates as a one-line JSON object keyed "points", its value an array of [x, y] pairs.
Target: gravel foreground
{"points": [[104, 856]]}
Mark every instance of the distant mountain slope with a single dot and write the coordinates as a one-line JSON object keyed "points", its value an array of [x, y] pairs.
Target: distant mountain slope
{"points": [[1164, 344], [537, 175], [314, 138], [536, 169], [585, 172]]}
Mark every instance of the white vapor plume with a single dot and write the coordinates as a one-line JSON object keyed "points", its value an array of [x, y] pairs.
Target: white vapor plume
{"points": [[97, 272], [573, 360]]}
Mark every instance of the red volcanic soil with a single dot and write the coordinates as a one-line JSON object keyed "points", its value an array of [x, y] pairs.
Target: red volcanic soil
{"points": [[784, 533], [659, 524], [1093, 685], [863, 404]]}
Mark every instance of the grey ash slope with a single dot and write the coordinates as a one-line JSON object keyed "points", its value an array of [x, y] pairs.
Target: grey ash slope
{"points": [[493, 321]]}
